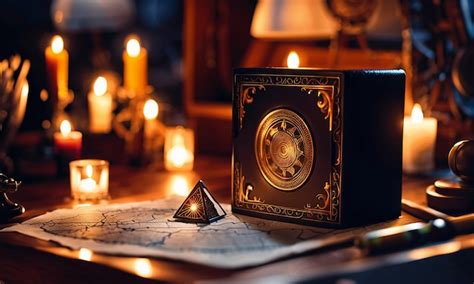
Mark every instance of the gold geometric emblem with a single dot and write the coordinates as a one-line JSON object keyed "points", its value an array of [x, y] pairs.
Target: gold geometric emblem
{"points": [[284, 149]]}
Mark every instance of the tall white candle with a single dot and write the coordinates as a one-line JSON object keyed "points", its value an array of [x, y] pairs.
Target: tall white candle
{"points": [[100, 107], [419, 139]]}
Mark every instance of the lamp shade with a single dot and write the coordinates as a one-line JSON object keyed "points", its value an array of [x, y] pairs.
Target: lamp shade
{"points": [[311, 19], [292, 19], [81, 15]]}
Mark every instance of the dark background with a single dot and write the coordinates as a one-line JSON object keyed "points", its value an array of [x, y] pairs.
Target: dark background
{"points": [[27, 28]]}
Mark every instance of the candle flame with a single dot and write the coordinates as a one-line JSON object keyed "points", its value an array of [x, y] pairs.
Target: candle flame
{"points": [[65, 127], [85, 254], [133, 47], [178, 155], [150, 109], [25, 89], [417, 114], [100, 86], [143, 267], [57, 44], [89, 171], [293, 60]]}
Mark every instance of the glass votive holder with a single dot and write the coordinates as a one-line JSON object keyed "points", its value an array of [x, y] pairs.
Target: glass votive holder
{"points": [[179, 149], [89, 179]]}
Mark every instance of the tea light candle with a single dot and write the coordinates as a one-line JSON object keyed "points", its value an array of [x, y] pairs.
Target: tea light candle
{"points": [[135, 67], [179, 149], [57, 63], [100, 107], [419, 138], [67, 143], [89, 179]]}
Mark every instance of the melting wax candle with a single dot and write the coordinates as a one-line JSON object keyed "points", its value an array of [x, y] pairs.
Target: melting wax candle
{"points": [[57, 64], [135, 69], [419, 139], [100, 107]]}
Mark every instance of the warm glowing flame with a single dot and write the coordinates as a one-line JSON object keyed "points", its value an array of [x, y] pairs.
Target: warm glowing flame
{"points": [[193, 207], [133, 47], [150, 109], [100, 86], [143, 267], [85, 254], [178, 156], [417, 114], [180, 185], [25, 89], [89, 171], [57, 44], [65, 127], [293, 60]]}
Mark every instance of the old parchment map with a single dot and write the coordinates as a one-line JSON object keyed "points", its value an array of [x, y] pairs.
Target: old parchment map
{"points": [[147, 229]]}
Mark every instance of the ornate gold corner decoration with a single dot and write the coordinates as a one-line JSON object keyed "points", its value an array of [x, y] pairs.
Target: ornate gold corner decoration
{"points": [[325, 102], [243, 196], [246, 97], [248, 190], [324, 198]]}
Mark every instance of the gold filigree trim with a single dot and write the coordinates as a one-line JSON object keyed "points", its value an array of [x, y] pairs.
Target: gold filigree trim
{"points": [[325, 102], [248, 190], [246, 97], [243, 195], [323, 198]]}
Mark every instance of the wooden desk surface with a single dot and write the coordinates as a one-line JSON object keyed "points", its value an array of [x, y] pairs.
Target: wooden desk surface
{"points": [[32, 260]]}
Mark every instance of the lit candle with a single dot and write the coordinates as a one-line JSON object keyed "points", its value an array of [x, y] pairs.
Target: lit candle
{"points": [[89, 179], [419, 138], [57, 62], [67, 143], [100, 107], [293, 60], [88, 184], [179, 149], [150, 112], [135, 67]]}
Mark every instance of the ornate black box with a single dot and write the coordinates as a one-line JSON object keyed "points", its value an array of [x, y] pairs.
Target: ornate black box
{"points": [[317, 147]]}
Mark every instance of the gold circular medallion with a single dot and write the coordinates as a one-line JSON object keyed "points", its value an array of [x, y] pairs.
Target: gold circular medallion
{"points": [[284, 149]]}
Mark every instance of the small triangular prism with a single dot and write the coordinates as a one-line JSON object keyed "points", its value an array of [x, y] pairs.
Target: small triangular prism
{"points": [[199, 207]]}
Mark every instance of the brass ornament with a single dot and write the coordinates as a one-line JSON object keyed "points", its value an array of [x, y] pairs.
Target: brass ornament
{"points": [[284, 149]]}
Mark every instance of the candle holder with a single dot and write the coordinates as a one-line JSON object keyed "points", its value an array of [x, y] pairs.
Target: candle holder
{"points": [[89, 179], [179, 149], [130, 124]]}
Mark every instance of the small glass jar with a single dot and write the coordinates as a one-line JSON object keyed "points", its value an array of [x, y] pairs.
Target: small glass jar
{"points": [[89, 179]]}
